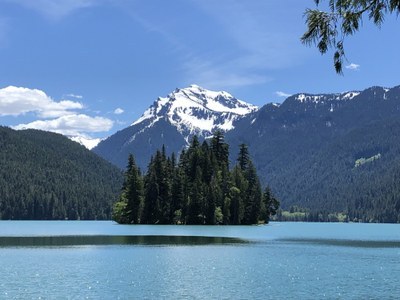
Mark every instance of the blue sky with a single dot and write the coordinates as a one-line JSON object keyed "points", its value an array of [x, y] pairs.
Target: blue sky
{"points": [[91, 67]]}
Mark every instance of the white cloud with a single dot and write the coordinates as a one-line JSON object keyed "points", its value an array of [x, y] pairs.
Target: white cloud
{"points": [[74, 96], [56, 116], [282, 94], [16, 101], [56, 9], [118, 111], [353, 67], [72, 125]]}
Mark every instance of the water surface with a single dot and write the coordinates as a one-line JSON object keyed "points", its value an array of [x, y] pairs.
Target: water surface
{"points": [[103, 260]]}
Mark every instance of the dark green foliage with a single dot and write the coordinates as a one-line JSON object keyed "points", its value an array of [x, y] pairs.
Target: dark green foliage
{"points": [[328, 29], [127, 209], [253, 197], [45, 176], [367, 192], [270, 205], [200, 189], [244, 157], [341, 161]]}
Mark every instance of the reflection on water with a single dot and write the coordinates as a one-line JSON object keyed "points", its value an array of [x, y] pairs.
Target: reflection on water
{"points": [[150, 240], [344, 243]]}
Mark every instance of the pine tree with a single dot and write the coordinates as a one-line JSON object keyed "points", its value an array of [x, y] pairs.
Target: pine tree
{"points": [[151, 207], [271, 204], [178, 196], [133, 191], [244, 157], [220, 149], [253, 196], [237, 195], [195, 213]]}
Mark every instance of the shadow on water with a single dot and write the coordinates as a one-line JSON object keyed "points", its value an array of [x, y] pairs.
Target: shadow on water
{"points": [[344, 243], [92, 240]]}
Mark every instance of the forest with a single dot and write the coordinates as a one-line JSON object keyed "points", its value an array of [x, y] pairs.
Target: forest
{"points": [[46, 176], [340, 165], [197, 188]]}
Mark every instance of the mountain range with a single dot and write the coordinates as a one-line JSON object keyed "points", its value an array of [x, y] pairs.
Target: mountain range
{"points": [[336, 152]]}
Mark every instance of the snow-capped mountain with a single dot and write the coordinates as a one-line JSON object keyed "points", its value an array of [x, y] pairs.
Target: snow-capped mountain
{"points": [[195, 110], [89, 143], [172, 121]]}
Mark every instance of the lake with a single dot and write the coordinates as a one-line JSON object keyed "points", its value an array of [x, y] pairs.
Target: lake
{"points": [[104, 260]]}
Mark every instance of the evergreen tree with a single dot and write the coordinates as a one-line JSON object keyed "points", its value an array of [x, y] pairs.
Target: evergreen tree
{"points": [[220, 149], [133, 191], [253, 196], [195, 213], [151, 206], [237, 195], [244, 157], [164, 182], [178, 196], [271, 204]]}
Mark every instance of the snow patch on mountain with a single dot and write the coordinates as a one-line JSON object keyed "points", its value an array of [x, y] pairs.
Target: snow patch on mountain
{"points": [[308, 98], [349, 95], [89, 143], [195, 110]]}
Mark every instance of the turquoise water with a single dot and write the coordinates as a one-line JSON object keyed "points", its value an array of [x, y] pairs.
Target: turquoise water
{"points": [[103, 260]]}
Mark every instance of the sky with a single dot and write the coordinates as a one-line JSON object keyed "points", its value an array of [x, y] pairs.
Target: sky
{"points": [[91, 67]]}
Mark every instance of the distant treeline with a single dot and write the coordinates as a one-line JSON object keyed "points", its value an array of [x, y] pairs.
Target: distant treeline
{"points": [[198, 188]]}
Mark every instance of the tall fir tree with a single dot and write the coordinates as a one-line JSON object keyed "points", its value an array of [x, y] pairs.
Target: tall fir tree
{"points": [[133, 191], [253, 196], [243, 157], [271, 204], [237, 195]]}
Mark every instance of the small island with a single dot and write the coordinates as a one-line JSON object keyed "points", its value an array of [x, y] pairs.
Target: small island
{"points": [[198, 188]]}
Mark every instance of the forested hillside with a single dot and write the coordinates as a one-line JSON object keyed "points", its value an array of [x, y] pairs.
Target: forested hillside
{"points": [[46, 176], [358, 174], [330, 153]]}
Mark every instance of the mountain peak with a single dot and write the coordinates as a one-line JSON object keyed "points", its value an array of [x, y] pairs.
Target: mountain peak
{"points": [[195, 86], [196, 110]]}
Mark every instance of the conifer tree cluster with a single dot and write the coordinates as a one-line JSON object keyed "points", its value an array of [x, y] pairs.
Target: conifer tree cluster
{"points": [[198, 188]]}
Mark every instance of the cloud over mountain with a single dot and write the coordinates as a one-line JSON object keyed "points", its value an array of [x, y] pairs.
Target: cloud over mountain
{"points": [[16, 101], [64, 116], [71, 124]]}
